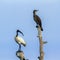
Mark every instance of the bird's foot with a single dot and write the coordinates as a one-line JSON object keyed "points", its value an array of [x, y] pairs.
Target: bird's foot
{"points": [[39, 57], [37, 26]]}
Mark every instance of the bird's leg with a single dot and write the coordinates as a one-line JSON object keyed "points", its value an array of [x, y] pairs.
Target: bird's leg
{"points": [[19, 47]]}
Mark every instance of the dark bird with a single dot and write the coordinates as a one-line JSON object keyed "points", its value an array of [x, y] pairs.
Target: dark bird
{"points": [[37, 19]]}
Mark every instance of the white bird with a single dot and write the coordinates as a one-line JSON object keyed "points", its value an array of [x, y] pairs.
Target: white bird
{"points": [[19, 39]]}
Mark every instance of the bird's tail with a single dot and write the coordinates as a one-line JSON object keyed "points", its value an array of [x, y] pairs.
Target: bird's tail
{"points": [[41, 29], [40, 24]]}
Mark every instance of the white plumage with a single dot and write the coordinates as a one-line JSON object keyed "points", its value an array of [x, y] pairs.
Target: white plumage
{"points": [[20, 40]]}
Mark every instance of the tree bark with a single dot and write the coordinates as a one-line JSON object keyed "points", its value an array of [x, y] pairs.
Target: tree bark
{"points": [[40, 43]]}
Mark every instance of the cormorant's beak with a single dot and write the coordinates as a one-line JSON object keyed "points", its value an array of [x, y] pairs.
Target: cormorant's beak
{"points": [[37, 10]]}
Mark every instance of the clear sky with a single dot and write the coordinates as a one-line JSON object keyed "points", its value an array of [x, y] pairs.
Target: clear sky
{"points": [[18, 14]]}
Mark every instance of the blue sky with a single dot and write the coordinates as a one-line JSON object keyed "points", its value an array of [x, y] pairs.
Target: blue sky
{"points": [[17, 14]]}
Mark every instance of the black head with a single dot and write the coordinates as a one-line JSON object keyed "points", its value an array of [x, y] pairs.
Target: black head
{"points": [[20, 32], [35, 11]]}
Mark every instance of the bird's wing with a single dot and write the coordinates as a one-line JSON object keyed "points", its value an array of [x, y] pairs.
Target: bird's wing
{"points": [[17, 39], [38, 19], [20, 40]]}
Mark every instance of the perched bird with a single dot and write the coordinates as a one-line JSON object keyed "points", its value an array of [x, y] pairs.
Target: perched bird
{"points": [[20, 54], [37, 19], [19, 39]]}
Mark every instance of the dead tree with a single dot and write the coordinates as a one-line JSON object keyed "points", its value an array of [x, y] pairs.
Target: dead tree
{"points": [[41, 42]]}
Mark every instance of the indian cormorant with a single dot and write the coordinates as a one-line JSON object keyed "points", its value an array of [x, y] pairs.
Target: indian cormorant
{"points": [[37, 19]]}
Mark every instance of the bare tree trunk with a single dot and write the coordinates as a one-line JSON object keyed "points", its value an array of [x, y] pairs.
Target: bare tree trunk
{"points": [[40, 44]]}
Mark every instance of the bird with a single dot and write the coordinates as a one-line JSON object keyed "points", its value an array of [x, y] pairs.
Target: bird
{"points": [[20, 54], [37, 19], [19, 39]]}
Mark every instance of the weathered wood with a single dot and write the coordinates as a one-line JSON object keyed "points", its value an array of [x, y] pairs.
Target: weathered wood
{"points": [[40, 43]]}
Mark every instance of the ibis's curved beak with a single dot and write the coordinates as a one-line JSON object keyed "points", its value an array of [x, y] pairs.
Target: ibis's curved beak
{"points": [[20, 32]]}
